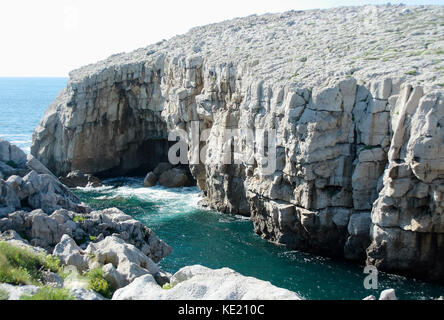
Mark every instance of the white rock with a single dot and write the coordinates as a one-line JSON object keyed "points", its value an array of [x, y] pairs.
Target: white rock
{"points": [[15, 292], [129, 261], [84, 294], [70, 253], [201, 283], [388, 294]]}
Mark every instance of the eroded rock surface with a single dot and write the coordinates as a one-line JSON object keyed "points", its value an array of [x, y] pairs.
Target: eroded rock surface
{"points": [[46, 231], [25, 183], [355, 96], [201, 283]]}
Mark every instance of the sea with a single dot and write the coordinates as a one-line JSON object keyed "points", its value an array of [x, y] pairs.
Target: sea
{"points": [[197, 235]]}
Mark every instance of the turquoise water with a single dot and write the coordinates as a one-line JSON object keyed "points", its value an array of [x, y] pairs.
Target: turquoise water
{"points": [[23, 102], [215, 240], [200, 236]]}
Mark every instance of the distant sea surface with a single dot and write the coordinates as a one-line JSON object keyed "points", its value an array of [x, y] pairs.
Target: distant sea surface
{"points": [[23, 102]]}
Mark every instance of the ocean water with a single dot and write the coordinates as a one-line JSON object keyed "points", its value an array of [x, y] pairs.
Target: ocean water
{"points": [[200, 236], [23, 102], [215, 240]]}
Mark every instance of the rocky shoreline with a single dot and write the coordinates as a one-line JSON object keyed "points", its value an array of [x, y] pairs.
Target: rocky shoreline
{"points": [[359, 149], [359, 134], [41, 217]]}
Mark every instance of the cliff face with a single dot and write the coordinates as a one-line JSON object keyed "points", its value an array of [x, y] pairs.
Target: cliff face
{"points": [[357, 107]]}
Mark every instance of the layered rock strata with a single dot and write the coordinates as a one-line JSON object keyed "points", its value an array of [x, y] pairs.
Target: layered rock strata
{"points": [[354, 95]]}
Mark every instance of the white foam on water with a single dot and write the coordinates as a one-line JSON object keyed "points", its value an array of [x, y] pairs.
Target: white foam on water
{"points": [[98, 189], [168, 203]]}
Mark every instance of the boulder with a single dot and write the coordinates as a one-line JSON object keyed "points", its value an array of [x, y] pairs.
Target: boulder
{"points": [[45, 192], [44, 231], [150, 180], [8, 199], [161, 168], [15, 182], [47, 231], [11, 235], [136, 289], [33, 164], [70, 253], [84, 294], [201, 283], [31, 183], [116, 279], [79, 179], [12, 154], [52, 279], [128, 261], [114, 222], [175, 178], [6, 170], [388, 294]]}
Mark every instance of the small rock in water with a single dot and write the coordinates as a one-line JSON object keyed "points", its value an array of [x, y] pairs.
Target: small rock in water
{"points": [[150, 180], [388, 295], [79, 179], [161, 168], [175, 178]]}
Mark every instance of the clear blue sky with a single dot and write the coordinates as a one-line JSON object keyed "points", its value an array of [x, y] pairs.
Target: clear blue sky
{"points": [[52, 37]]}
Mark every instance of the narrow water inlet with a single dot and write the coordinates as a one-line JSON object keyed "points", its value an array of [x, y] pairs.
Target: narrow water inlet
{"points": [[218, 240]]}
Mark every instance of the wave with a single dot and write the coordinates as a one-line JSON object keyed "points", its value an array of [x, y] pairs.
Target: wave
{"points": [[165, 203]]}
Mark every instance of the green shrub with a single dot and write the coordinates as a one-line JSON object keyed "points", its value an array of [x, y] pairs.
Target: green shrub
{"points": [[78, 219], [411, 73], [52, 263], [167, 286], [49, 293], [3, 295], [18, 266], [98, 283]]}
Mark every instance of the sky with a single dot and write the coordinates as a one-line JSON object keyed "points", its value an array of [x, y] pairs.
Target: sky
{"points": [[49, 38]]}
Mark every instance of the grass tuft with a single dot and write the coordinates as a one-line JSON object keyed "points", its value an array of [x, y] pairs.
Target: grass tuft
{"points": [[49, 293], [412, 73], [20, 266], [167, 286], [78, 219], [99, 284]]}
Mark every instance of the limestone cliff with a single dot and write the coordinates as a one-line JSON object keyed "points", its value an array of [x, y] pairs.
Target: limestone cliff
{"points": [[356, 97]]}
